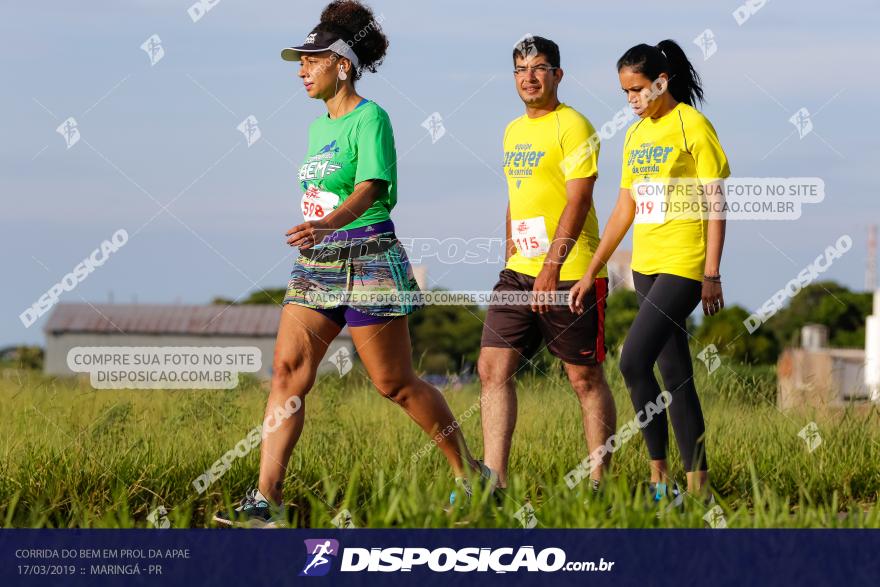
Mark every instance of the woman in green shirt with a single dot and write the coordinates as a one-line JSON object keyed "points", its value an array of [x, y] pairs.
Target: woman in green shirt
{"points": [[347, 246]]}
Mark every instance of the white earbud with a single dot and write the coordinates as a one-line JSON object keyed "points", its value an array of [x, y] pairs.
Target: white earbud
{"points": [[342, 75]]}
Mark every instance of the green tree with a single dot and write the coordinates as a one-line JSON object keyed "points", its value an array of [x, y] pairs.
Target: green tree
{"points": [[446, 338], [273, 295], [728, 333], [25, 357], [829, 303]]}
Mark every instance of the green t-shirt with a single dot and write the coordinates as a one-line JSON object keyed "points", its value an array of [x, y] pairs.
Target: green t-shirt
{"points": [[344, 152]]}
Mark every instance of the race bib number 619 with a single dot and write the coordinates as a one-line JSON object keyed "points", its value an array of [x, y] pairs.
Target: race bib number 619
{"points": [[650, 199]]}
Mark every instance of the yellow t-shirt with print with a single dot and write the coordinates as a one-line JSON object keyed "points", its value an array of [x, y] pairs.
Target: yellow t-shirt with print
{"points": [[681, 146], [540, 155]]}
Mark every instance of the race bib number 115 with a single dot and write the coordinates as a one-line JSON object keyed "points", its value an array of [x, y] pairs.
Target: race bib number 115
{"points": [[530, 236]]}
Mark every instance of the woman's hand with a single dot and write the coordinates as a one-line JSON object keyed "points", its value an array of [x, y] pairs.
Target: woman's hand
{"points": [[577, 293], [713, 299], [308, 234]]}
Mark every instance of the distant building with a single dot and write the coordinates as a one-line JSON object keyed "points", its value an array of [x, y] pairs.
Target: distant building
{"points": [[817, 377], [619, 271], [96, 325]]}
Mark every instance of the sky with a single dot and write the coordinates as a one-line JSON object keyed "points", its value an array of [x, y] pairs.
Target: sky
{"points": [[160, 155]]}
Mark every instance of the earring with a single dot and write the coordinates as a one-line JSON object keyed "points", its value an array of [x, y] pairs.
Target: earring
{"points": [[342, 75]]}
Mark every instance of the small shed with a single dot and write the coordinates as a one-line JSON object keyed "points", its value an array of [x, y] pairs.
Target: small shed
{"points": [[153, 325]]}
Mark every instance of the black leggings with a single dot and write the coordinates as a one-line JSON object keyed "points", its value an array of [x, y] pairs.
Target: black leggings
{"points": [[659, 334]]}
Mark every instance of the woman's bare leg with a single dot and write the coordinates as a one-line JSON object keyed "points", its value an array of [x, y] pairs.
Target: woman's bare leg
{"points": [[386, 352], [303, 338]]}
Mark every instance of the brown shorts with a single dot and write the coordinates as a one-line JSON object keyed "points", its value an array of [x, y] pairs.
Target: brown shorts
{"points": [[576, 339]]}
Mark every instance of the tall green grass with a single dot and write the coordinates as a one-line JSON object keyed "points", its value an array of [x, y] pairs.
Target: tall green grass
{"points": [[71, 456]]}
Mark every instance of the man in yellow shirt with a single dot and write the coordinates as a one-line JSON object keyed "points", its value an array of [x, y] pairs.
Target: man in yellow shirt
{"points": [[550, 160]]}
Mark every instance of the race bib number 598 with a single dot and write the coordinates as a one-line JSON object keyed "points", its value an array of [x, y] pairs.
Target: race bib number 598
{"points": [[530, 236], [317, 204]]}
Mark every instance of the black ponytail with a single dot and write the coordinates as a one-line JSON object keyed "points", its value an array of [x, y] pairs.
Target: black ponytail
{"points": [[666, 57]]}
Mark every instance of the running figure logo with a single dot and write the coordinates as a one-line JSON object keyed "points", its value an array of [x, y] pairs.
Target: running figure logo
{"points": [[810, 435], [69, 129], [341, 359], [526, 516], [434, 125], [706, 42], [525, 46], [153, 48], [317, 552], [250, 128], [802, 122], [710, 357]]}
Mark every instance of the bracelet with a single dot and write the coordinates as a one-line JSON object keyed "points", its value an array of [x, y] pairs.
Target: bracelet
{"points": [[712, 278]]}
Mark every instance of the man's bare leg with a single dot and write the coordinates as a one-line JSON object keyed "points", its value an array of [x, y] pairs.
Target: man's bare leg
{"points": [[598, 411], [497, 367]]}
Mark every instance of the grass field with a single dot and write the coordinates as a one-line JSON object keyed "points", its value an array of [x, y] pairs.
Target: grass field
{"points": [[74, 457]]}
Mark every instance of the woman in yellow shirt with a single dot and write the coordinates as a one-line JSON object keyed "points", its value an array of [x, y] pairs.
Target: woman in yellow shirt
{"points": [[673, 165]]}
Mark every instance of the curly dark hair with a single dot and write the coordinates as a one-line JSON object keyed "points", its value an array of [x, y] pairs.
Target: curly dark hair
{"points": [[355, 24]]}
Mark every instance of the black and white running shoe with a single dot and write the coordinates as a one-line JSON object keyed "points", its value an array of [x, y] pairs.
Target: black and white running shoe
{"points": [[254, 511]]}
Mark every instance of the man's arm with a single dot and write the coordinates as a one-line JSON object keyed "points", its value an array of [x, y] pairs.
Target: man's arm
{"points": [[579, 196]]}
